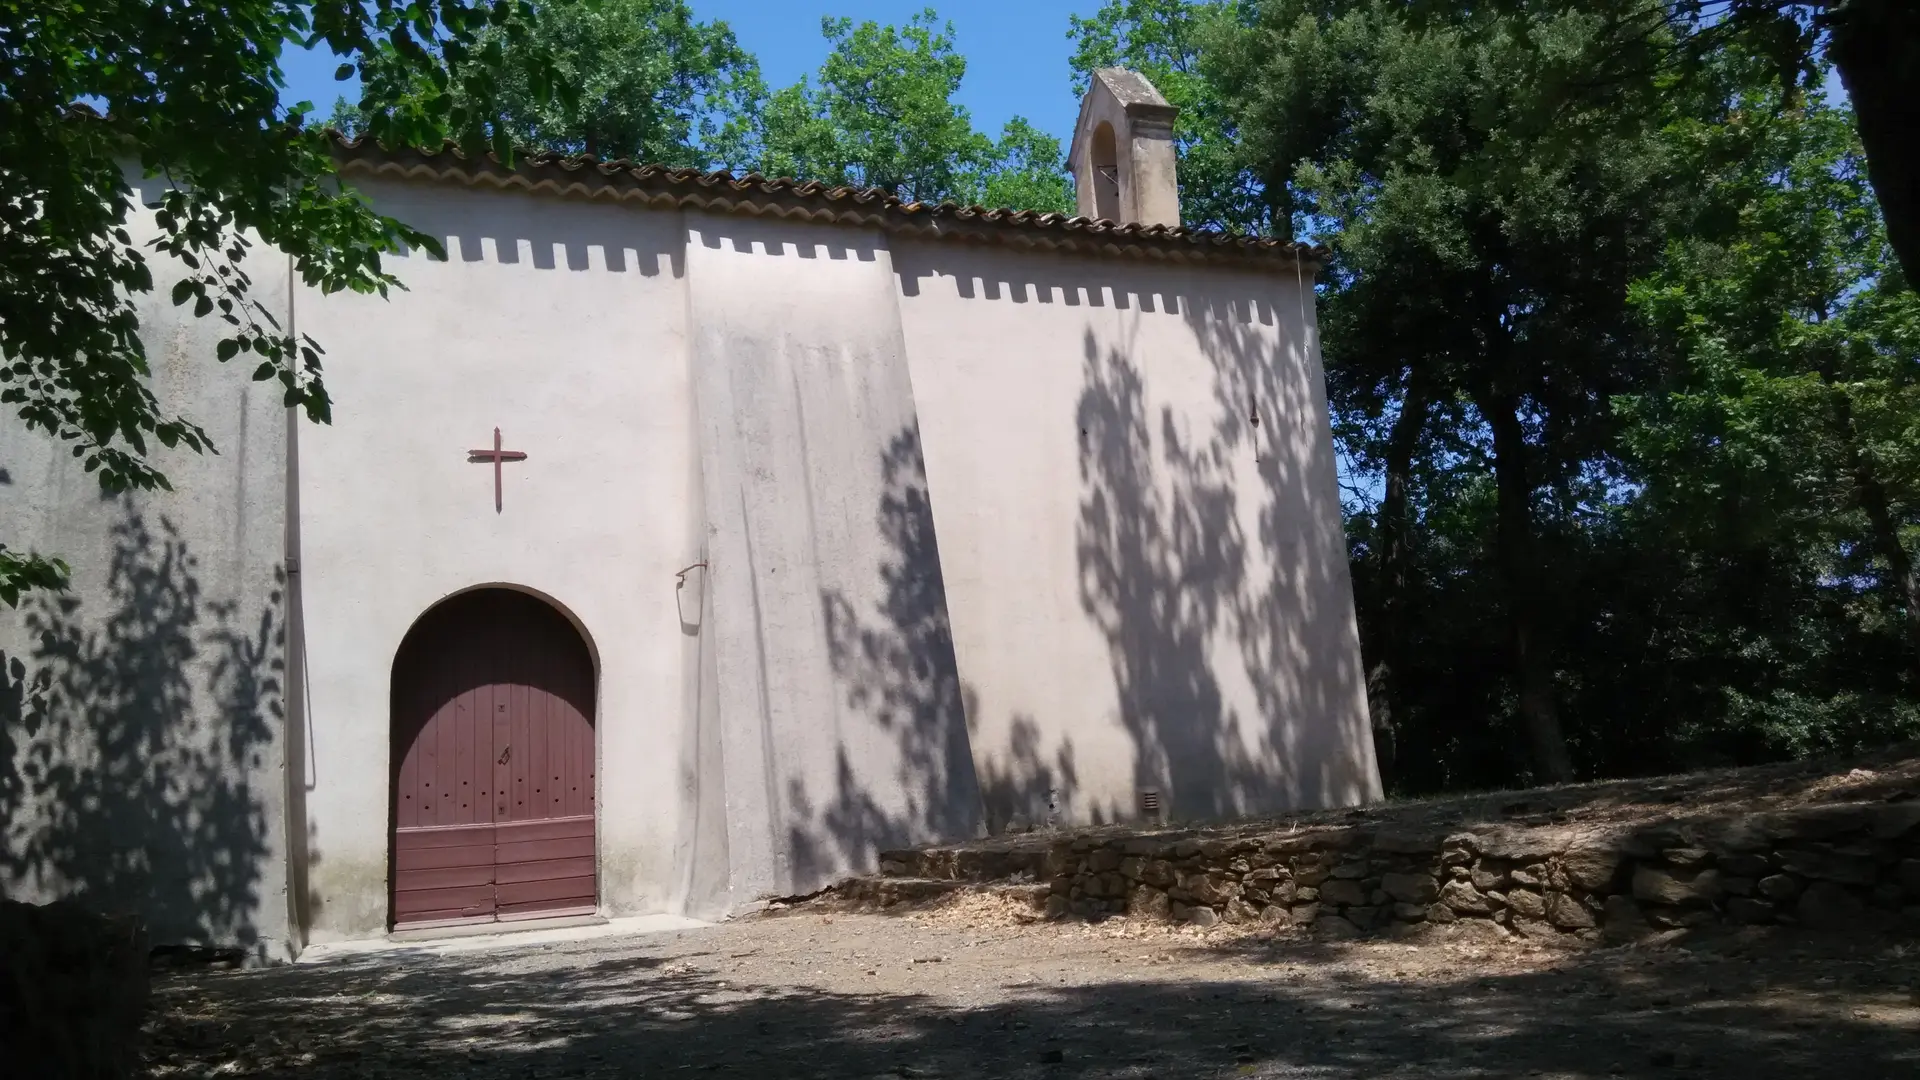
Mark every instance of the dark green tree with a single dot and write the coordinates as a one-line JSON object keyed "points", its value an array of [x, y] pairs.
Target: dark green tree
{"points": [[881, 113], [650, 83], [1791, 414], [1487, 216]]}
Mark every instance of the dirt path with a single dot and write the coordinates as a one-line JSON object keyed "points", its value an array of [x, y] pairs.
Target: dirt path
{"points": [[944, 995]]}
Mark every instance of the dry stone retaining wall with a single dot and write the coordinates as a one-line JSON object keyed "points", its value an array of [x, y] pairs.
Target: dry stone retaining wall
{"points": [[1825, 867]]}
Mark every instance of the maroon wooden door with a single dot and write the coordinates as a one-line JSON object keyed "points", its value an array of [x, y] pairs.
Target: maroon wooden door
{"points": [[493, 764]]}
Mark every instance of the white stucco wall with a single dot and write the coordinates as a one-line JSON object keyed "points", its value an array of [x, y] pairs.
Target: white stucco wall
{"points": [[841, 722], [142, 758], [563, 323], [981, 526], [1148, 590]]}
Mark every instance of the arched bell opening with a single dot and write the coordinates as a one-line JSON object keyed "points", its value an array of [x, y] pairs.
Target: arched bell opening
{"points": [[1104, 156]]}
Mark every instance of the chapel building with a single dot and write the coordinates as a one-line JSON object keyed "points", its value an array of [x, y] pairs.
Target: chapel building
{"points": [[679, 542]]}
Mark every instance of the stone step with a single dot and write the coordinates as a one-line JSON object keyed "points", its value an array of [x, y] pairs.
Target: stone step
{"points": [[882, 893]]}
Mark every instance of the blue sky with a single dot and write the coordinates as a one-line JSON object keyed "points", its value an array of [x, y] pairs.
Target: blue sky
{"points": [[1016, 51]]}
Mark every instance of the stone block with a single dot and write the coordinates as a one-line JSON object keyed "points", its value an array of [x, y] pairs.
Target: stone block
{"points": [[1777, 887], [1567, 913], [1350, 871], [1307, 895], [1406, 912], [1686, 857], [1737, 886], [1518, 845], [1907, 875], [1591, 869], [1749, 912], [1396, 843], [1673, 918], [1304, 914], [1363, 917], [1276, 915], [1817, 823], [1485, 877], [1239, 911], [1533, 928], [1622, 918], [1310, 875], [1527, 877], [1133, 867], [1061, 861], [1262, 878], [1647, 841], [1656, 885], [1202, 916], [1527, 904], [1102, 860], [1463, 898], [1844, 866], [1440, 913], [1411, 888], [1342, 891], [1891, 821], [1210, 889], [1745, 865], [1333, 926], [1826, 905], [1147, 901]]}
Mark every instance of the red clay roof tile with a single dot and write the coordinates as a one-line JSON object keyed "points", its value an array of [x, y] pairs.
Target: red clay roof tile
{"points": [[809, 200]]}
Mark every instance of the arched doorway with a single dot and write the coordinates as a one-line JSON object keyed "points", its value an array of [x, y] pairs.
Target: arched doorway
{"points": [[492, 764]]}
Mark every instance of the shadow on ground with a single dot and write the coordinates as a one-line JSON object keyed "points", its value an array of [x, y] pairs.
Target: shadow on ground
{"points": [[768, 1000]]}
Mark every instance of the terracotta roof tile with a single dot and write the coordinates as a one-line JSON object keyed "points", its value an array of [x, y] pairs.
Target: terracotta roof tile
{"points": [[809, 200]]}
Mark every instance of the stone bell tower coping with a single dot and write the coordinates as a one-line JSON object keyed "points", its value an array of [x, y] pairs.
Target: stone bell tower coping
{"points": [[1122, 156]]}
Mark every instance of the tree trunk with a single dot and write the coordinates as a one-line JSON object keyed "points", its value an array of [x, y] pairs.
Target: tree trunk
{"points": [[1515, 544], [1390, 642], [1875, 45], [1903, 577]]}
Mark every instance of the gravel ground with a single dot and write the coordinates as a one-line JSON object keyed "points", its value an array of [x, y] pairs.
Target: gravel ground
{"points": [[978, 993]]}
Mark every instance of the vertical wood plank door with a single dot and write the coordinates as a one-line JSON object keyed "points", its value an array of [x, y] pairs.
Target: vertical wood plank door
{"points": [[493, 764]]}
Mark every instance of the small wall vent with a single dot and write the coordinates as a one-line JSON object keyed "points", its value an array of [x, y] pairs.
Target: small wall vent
{"points": [[1150, 805]]}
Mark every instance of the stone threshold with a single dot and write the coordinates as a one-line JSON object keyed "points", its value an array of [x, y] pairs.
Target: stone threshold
{"points": [[486, 936]]}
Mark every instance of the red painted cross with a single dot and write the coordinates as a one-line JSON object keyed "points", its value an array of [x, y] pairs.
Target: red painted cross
{"points": [[496, 456]]}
